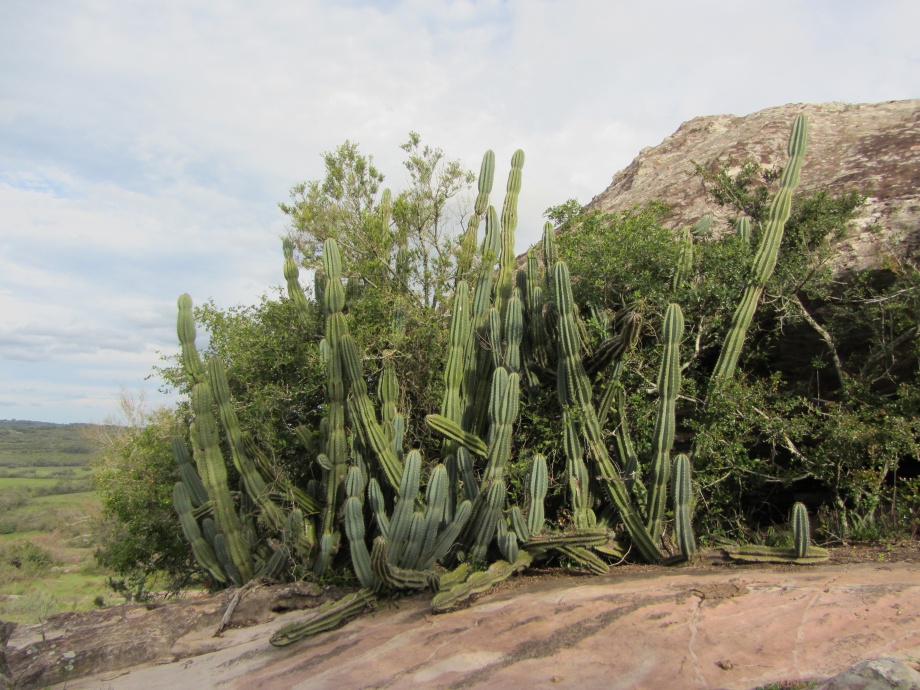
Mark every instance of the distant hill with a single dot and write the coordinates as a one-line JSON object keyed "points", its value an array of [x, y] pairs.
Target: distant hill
{"points": [[24, 443]]}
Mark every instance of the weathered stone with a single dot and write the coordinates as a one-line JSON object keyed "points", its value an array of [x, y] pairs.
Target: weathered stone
{"points": [[869, 148], [875, 674], [665, 628]]}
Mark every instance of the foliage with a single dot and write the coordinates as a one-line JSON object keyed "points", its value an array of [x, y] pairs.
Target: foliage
{"points": [[138, 535]]}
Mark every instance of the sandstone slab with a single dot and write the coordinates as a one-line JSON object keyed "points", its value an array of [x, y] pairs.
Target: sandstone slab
{"points": [[681, 628]]}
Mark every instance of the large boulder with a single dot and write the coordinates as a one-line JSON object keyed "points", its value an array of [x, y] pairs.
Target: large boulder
{"points": [[870, 148]]}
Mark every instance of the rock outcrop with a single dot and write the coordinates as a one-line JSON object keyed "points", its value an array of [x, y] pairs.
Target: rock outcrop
{"points": [[870, 148]]}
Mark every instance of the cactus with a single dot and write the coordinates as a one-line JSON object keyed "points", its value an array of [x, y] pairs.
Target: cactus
{"points": [[209, 459], [508, 225], [201, 548], [537, 486], [453, 372], [252, 481], [801, 530], [802, 553], [685, 260], [574, 390], [681, 489], [743, 229], [767, 554], [764, 259], [326, 617], [663, 440], [478, 582]]}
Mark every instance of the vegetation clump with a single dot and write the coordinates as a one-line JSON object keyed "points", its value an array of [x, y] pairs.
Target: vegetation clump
{"points": [[432, 414]]}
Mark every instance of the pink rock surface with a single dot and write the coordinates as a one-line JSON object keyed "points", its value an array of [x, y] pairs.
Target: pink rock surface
{"points": [[681, 629]]}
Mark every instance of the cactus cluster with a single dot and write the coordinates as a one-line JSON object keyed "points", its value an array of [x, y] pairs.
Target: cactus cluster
{"points": [[513, 336]]}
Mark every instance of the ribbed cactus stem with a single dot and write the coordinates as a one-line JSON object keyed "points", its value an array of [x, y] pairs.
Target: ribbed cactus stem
{"points": [[204, 553], [291, 277], [537, 486], [185, 329], [575, 391], [486, 178], [213, 472], [197, 493], [514, 332], [451, 404], [252, 481], [801, 531], [681, 491], [684, 267], [503, 412], [663, 440], [326, 617], [764, 259], [508, 224], [743, 229]]}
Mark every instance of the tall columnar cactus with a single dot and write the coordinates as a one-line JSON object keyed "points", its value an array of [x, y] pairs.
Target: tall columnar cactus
{"points": [[232, 549], [253, 482], [451, 403], [470, 238], [509, 219], [685, 259], [801, 531], [574, 390], [681, 490], [663, 440], [764, 259]]}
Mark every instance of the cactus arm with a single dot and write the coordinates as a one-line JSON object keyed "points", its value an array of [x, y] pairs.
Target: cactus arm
{"points": [[479, 582], [537, 486], [801, 531], [455, 432], [663, 441], [202, 550], [453, 371], [325, 618], [575, 390], [185, 329], [252, 480], [764, 259], [683, 529]]}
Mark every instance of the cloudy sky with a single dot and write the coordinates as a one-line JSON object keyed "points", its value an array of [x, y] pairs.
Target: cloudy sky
{"points": [[144, 146]]}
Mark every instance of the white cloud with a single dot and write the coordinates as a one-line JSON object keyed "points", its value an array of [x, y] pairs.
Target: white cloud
{"points": [[143, 148]]}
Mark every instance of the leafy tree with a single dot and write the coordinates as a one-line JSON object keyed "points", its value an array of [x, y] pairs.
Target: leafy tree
{"points": [[427, 222], [134, 473]]}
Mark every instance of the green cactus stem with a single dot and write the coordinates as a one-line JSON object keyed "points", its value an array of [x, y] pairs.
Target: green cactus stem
{"points": [[766, 554], [185, 329], [202, 550], [743, 229], [801, 530], [537, 486], [455, 432], [478, 582], [681, 491], [663, 440], [252, 481], [575, 390], [764, 259], [326, 617]]}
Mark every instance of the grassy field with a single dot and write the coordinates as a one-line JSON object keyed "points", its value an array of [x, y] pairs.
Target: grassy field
{"points": [[47, 513]]}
